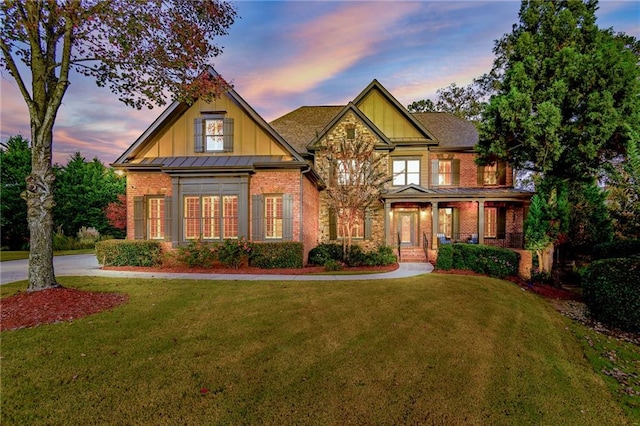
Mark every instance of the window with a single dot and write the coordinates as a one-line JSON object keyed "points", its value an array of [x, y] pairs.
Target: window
{"points": [[213, 134], [155, 218], [351, 133], [445, 222], [445, 172], [357, 232], [273, 216], [490, 222], [406, 172], [346, 171], [202, 217], [491, 174]]}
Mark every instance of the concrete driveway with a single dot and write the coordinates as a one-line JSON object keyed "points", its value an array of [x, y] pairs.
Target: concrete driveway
{"points": [[87, 265]]}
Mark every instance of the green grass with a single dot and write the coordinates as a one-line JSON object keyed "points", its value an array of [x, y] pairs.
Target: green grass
{"points": [[18, 255], [435, 349]]}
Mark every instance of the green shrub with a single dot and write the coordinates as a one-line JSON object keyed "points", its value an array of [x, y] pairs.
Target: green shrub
{"points": [[332, 265], [355, 256], [611, 290], [63, 242], [277, 255], [445, 257], [234, 252], [616, 249], [492, 261], [383, 256], [128, 253], [323, 252], [197, 254]]}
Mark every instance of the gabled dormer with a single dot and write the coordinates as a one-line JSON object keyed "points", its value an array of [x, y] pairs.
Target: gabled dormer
{"points": [[384, 110]]}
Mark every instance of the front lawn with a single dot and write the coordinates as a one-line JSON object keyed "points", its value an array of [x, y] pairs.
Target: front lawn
{"points": [[440, 349], [24, 254]]}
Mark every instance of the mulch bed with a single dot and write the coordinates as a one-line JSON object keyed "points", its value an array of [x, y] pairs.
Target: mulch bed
{"points": [[30, 309]]}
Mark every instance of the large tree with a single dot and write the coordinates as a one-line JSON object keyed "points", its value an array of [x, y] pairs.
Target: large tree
{"points": [[465, 102], [141, 50], [15, 166], [567, 97]]}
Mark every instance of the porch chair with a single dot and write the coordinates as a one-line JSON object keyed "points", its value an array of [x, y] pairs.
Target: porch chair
{"points": [[442, 239]]}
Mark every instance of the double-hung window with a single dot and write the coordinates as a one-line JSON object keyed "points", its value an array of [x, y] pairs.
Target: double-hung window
{"points": [[406, 172], [445, 172], [155, 218], [357, 231], [490, 222], [213, 133], [346, 172], [203, 218], [273, 216]]}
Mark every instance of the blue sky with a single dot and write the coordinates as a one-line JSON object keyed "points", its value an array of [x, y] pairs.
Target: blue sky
{"points": [[284, 54]]}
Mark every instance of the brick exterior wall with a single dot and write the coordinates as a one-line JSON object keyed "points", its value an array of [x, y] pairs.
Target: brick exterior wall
{"points": [[140, 184]]}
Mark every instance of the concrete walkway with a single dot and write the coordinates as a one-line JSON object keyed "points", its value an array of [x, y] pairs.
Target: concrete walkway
{"points": [[87, 265]]}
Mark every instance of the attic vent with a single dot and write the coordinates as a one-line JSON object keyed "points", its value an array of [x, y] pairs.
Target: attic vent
{"points": [[351, 132]]}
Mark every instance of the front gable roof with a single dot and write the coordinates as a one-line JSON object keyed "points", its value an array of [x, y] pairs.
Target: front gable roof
{"points": [[385, 142], [374, 87], [175, 109]]}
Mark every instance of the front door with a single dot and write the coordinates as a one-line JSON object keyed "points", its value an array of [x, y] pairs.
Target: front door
{"points": [[407, 228]]}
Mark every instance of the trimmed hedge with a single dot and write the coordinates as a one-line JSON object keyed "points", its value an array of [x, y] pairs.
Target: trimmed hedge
{"points": [[277, 255], [611, 291], [323, 253], [445, 257], [616, 249], [128, 253], [492, 261]]}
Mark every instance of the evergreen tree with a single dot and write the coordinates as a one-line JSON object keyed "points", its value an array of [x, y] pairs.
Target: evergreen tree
{"points": [[83, 191], [15, 166], [567, 98]]}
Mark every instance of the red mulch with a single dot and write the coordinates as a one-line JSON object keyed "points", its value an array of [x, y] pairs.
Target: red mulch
{"points": [[30, 309]]}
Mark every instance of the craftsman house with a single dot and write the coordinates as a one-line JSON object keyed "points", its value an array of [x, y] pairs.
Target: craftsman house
{"points": [[218, 170]]}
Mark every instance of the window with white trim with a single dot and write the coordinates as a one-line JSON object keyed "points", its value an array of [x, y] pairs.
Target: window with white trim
{"points": [[357, 232], [490, 222], [406, 172], [155, 218], [202, 218], [214, 134]]}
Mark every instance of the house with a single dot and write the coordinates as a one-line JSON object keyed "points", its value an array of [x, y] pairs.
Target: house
{"points": [[218, 170]]}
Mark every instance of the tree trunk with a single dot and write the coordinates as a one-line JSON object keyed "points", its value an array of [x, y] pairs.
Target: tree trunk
{"points": [[40, 202], [545, 260]]}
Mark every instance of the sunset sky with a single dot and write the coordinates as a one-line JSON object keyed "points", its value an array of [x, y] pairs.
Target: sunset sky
{"points": [[284, 54]]}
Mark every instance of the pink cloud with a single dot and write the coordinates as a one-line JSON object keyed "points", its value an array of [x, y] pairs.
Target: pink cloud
{"points": [[327, 46]]}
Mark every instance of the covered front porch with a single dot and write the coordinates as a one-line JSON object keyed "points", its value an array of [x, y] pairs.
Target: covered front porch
{"points": [[423, 218]]}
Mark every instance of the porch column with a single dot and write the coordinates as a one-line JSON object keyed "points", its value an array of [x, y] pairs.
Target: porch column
{"points": [[434, 224], [481, 222], [387, 224]]}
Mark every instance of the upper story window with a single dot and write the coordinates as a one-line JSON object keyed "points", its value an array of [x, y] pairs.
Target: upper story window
{"points": [[492, 174], [346, 172], [213, 133], [445, 172], [351, 132], [406, 172]]}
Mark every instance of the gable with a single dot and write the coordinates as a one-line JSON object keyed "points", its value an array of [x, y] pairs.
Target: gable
{"points": [[391, 117], [177, 132]]}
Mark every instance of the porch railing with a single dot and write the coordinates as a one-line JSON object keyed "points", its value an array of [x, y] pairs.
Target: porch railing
{"points": [[399, 244], [425, 245]]}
